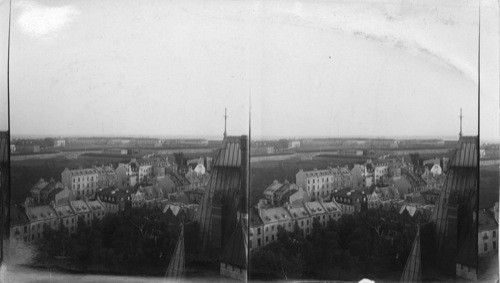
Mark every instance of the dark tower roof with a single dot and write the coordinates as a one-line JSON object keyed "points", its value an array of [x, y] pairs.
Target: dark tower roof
{"points": [[467, 254], [225, 179], [176, 267], [462, 182], [413, 267], [236, 251], [459, 192]]}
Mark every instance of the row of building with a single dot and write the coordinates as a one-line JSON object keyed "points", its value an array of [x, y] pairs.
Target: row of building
{"points": [[270, 147], [265, 220], [156, 169], [27, 223]]}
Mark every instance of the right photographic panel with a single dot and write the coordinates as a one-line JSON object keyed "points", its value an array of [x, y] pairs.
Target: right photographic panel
{"points": [[374, 142]]}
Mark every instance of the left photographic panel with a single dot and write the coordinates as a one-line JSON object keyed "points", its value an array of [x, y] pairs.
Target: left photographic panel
{"points": [[129, 134]]}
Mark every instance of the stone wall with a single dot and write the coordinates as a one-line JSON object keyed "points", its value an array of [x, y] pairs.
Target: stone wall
{"points": [[233, 272]]}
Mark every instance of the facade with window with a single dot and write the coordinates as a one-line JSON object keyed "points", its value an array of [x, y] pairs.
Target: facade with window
{"points": [[40, 217], [272, 218], [115, 200], [351, 201], [97, 208], [83, 182], [82, 211], [487, 233], [321, 183], [362, 176], [28, 223], [265, 221], [67, 217], [19, 224]]}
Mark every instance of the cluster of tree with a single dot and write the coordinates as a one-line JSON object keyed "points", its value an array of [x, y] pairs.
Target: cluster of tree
{"points": [[179, 158], [372, 244], [140, 242]]}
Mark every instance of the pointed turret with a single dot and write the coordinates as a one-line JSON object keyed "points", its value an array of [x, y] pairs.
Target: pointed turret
{"points": [[234, 259], [225, 122], [176, 267], [413, 268], [221, 197]]}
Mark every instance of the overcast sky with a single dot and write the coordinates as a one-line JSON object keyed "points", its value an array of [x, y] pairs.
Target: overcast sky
{"points": [[311, 68]]}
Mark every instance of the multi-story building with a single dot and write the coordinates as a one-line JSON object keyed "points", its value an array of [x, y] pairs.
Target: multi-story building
{"points": [[293, 144], [321, 183], [197, 180], [255, 230], [47, 191], [180, 182], [362, 176], [281, 194], [83, 182], [319, 213], [269, 191], [265, 221], [27, 148], [59, 196], [272, 218], [487, 233], [293, 196], [106, 176], [19, 224], [138, 199], [29, 222], [114, 200], [97, 208], [380, 170], [67, 216], [38, 217], [395, 169], [261, 150], [145, 170], [430, 196], [194, 195], [59, 143], [351, 200], [82, 211], [35, 191]]}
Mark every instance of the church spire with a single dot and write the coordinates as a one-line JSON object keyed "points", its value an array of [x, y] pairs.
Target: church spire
{"points": [[176, 267], [460, 134], [413, 268], [225, 122]]}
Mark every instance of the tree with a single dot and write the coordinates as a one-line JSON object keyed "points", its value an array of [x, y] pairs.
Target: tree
{"points": [[179, 158], [47, 142], [415, 158]]}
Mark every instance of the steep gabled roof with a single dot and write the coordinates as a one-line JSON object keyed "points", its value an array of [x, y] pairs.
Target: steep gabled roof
{"points": [[236, 251], [413, 267], [460, 187], [467, 254], [487, 220], [177, 265], [223, 186]]}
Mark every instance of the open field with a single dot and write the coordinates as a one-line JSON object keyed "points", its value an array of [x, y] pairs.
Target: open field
{"points": [[488, 185]]}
